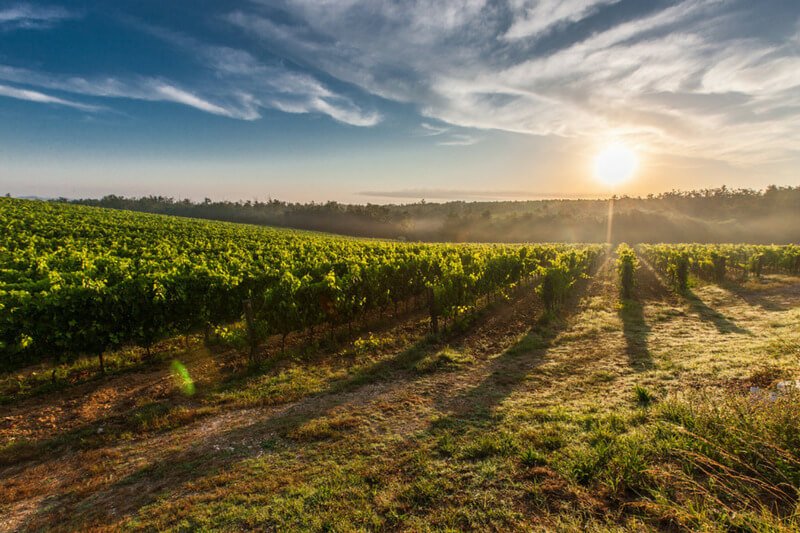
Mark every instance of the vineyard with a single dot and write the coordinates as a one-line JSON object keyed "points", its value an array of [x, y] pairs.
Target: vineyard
{"points": [[166, 373], [720, 262], [77, 281]]}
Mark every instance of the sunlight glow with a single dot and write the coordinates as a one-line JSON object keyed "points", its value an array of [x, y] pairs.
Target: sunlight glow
{"points": [[615, 164]]}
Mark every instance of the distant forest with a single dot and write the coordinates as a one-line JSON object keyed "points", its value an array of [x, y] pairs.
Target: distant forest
{"points": [[709, 215]]}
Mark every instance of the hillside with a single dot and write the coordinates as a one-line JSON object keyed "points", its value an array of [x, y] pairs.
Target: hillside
{"points": [[173, 374], [712, 215]]}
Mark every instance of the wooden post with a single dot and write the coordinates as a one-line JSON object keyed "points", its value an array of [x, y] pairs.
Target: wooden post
{"points": [[433, 310], [251, 328]]}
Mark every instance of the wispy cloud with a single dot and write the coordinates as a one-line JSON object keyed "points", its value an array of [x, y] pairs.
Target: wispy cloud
{"points": [[42, 98], [460, 139], [535, 18], [446, 136], [133, 88], [170, 93], [232, 100], [266, 86], [695, 78], [236, 85], [29, 16], [691, 78], [431, 130]]}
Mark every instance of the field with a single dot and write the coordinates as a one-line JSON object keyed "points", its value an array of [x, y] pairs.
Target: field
{"points": [[165, 373]]}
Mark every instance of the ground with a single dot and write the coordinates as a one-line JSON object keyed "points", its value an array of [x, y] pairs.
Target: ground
{"points": [[488, 426]]}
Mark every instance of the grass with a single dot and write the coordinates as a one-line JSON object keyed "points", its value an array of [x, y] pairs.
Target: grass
{"points": [[643, 395], [549, 425], [328, 428], [444, 360], [701, 460]]}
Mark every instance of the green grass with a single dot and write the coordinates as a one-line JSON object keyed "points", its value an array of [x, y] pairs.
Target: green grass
{"points": [[643, 395], [444, 360]]}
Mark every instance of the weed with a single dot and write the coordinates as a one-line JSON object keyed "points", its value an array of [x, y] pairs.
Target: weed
{"points": [[533, 457], [445, 359], [643, 395]]}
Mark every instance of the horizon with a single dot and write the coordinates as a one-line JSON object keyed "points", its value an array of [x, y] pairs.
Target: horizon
{"points": [[374, 102], [518, 197]]}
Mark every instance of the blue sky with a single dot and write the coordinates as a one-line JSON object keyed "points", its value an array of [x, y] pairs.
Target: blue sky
{"points": [[375, 100]]}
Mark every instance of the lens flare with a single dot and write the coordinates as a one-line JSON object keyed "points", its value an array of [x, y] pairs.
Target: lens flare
{"points": [[182, 378]]}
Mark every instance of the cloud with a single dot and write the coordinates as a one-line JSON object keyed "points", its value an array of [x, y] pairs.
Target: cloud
{"points": [[42, 98], [235, 85], [268, 86], [289, 93], [536, 18], [460, 139], [430, 130], [446, 136], [692, 78], [134, 88], [173, 94], [28, 16]]}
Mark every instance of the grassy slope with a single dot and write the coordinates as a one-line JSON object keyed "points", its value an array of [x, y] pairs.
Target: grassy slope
{"points": [[515, 423]]}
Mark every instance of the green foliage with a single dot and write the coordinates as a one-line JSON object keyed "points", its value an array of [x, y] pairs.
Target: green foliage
{"points": [[77, 280], [560, 272], [372, 343], [716, 262]]}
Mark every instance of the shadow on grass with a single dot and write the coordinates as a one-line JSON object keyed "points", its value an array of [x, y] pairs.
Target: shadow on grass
{"points": [[513, 366], [636, 332], [707, 314], [758, 298], [215, 452], [203, 458], [507, 372]]}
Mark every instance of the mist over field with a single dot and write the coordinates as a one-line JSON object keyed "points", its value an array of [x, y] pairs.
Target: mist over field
{"points": [[714, 215]]}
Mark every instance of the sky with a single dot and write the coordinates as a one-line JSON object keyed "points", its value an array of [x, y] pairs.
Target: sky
{"points": [[395, 101]]}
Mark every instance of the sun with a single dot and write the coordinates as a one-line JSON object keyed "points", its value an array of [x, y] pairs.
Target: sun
{"points": [[615, 164]]}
